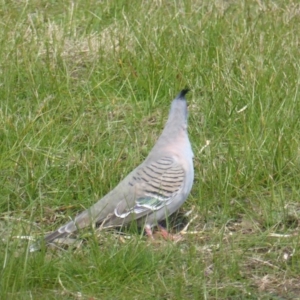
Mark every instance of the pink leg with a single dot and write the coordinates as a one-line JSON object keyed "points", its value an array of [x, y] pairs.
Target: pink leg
{"points": [[149, 231], [169, 236], [164, 233]]}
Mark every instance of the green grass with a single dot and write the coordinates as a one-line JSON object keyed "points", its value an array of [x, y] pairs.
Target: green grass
{"points": [[85, 89]]}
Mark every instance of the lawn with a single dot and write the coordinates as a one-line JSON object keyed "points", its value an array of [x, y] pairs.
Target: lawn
{"points": [[85, 90]]}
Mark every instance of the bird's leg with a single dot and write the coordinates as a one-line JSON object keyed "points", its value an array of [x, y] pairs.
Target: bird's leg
{"points": [[164, 233], [148, 231], [169, 236]]}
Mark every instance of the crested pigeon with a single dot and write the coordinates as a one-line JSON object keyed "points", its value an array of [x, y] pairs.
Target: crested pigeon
{"points": [[152, 191]]}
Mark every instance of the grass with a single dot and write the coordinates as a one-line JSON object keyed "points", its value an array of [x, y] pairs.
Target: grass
{"points": [[85, 90]]}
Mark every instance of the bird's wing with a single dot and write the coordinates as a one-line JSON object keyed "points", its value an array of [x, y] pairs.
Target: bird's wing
{"points": [[154, 185], [147, 189]]}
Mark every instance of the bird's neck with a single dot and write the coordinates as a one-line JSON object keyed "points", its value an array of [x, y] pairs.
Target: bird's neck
{"points": [[173, 140]]}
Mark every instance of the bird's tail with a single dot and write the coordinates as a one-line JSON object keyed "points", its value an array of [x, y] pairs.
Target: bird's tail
{"points": [[48, 239]]}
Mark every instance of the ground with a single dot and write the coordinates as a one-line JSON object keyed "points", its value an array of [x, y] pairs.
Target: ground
{"points": [[85, 90]]}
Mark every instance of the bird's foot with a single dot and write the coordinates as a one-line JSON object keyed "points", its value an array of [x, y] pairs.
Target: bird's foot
{"points": [[162, 232], [169, 236]]}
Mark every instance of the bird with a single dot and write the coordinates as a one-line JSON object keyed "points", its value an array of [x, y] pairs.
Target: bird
{"points": [[152, 191]]}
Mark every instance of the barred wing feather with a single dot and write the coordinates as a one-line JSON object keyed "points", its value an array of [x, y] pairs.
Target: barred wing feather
{"points": [[156, 184]]}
